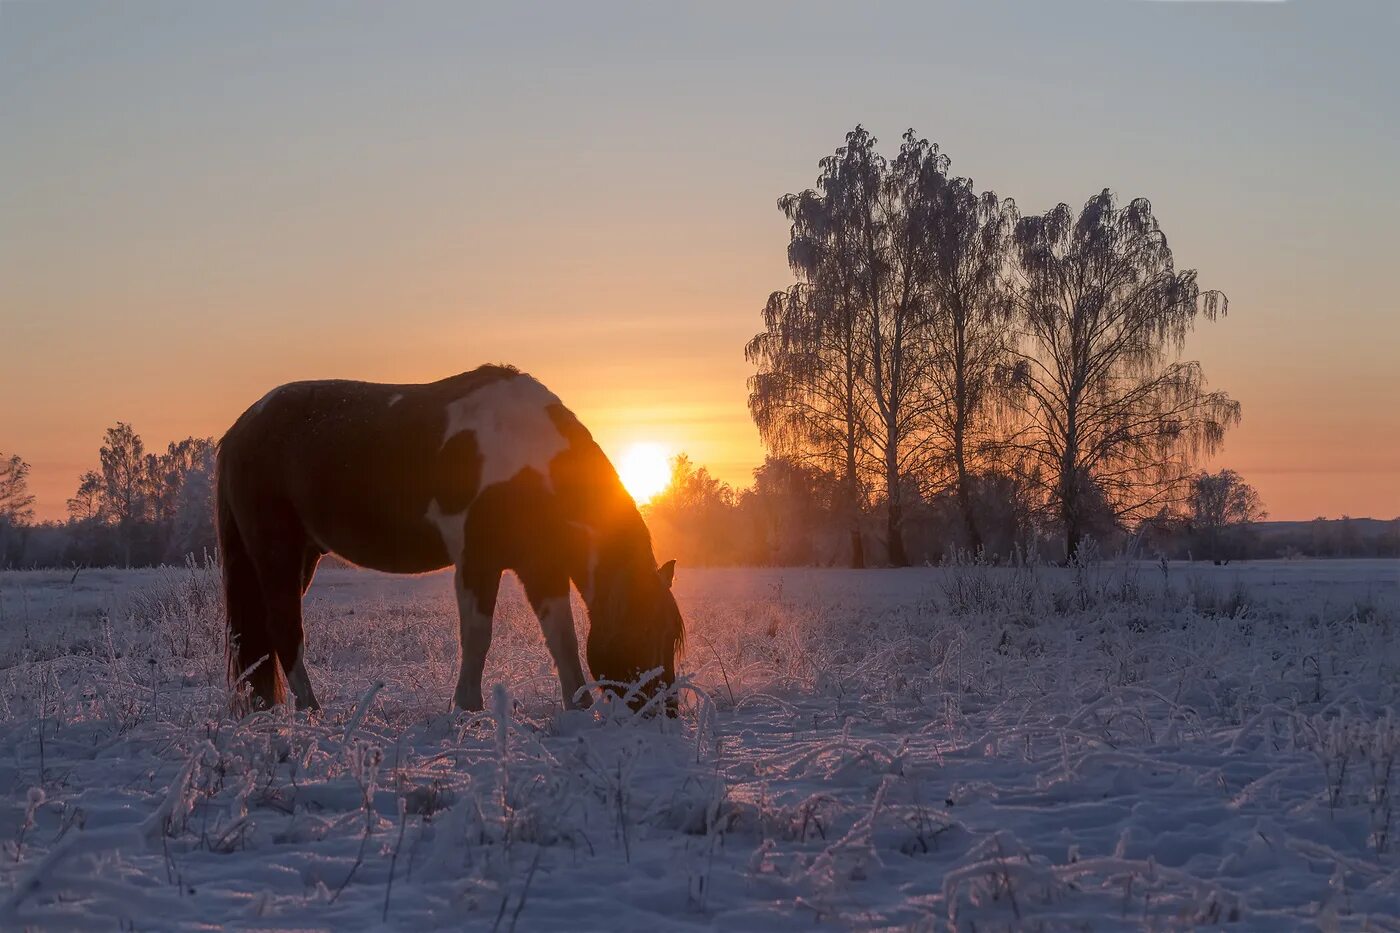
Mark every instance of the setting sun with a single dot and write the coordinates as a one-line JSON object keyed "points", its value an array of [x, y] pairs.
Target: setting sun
{"points": [[645, 469]]}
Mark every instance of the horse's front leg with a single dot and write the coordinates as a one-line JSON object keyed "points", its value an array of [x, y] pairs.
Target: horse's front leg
{"points": [[557, 619], [476, 604]]}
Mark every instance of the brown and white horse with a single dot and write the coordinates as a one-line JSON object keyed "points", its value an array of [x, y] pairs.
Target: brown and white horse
{"points": [[486, 471]]}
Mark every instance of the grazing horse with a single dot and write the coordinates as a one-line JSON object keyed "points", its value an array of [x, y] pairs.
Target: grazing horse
{"points": [[486, 472]]}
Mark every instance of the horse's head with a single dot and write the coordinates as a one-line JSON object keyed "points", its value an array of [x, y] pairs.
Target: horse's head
{"points": [[637, 628]]}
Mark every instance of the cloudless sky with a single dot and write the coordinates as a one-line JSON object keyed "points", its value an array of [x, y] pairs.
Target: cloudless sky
{"points": [[200, 202]]}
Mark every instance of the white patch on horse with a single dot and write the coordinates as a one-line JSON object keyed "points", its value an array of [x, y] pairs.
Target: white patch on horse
{"points": [[514, 433], [398, 397], [474, 632], [452, 527]]}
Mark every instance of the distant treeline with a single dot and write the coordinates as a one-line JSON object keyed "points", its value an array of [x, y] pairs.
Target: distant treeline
{"points": [[137, 509], [792, 516], [1320, 537]]}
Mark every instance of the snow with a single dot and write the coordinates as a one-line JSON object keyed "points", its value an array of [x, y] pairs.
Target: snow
{"points": [[1112, 747]]}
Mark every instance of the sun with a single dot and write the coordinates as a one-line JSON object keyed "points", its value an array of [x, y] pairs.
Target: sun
{"points": [[645, 470]]}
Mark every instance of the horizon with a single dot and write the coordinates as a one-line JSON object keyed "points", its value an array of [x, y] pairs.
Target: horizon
{"points": [[198, 208]]}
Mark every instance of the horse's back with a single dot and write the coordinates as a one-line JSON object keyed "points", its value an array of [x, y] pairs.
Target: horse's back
{"points": [[359, 466]]}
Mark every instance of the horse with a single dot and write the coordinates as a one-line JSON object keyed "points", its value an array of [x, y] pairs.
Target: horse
{"points": [[485, 471]]}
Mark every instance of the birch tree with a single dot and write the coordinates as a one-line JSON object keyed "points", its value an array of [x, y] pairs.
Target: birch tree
{"points": [[16, 501], [1106, 410], [1221, 505], [841, 360], [124, 483], [968, 237], [806, 397], [16, 506]]}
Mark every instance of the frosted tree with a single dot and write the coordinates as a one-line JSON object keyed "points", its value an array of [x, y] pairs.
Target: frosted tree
{"points": [[895, 289], [1104, 410], [165, 480], [789, 509], [841, 360], [1222, 504], [86, 504], [806, 397], [124, 483], [16, 501], [16, 505], [967, 236], [192, 530]]}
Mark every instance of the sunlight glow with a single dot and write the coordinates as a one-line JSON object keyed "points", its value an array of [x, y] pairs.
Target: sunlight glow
{"points": [[645, 470]]}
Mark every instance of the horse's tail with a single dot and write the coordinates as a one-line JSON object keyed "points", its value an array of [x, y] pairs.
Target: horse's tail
{"points": [[252, 657]]}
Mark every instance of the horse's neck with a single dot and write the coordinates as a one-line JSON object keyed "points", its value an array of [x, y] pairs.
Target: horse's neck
{"points": [[618, 542], [614, 555]]}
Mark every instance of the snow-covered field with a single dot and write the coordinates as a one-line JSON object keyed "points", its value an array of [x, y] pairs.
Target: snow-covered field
{"points": [[1116, 747]]}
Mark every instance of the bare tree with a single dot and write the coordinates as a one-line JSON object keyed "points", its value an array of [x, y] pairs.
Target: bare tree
{"points": [[16, 506], [16, 501], [968, 235], [164, 480], [789, 510], [894, 210], [841, 359], [192, 531], [1105, 409], [86, 503], [1221, 505], [806, 397], [124, 483]]}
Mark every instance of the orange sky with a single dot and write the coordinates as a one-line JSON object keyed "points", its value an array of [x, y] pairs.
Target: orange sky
{"points": [[196, 206]]}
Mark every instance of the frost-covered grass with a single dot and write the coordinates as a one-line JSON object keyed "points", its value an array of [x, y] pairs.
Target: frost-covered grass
{"points": [[1116, 746]]}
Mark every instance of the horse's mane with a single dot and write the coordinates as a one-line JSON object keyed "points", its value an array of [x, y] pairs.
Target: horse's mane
{"points": [[474, 379]]}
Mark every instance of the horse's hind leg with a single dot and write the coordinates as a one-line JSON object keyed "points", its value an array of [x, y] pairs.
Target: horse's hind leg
{"points": [[297, 677], [285, 566], [252, 654]]}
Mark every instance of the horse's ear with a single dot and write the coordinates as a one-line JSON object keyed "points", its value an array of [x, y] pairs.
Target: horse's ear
{"points": [[667, 573]]}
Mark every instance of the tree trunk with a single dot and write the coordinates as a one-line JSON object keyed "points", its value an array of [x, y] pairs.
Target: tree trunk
{"points": [[974, 537], [960, 394], [1074, 533], [894, 519], [1069, 511], [898, 558], [853, 496], [1070, 483]]}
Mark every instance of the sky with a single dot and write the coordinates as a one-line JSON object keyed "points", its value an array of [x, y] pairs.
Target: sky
{"points": [[200, 202]]}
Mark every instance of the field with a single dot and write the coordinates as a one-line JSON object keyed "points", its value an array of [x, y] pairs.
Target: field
{"points": [[1121, 746]]}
